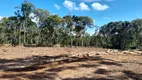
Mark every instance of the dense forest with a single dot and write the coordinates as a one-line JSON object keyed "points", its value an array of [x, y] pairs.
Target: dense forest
{"points": [[70, 30]]}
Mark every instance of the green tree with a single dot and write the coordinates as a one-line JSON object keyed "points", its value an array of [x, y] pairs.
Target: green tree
{"points": [[81, 23], [50, 29], [23, 13], [69, 25], [40, 15]]}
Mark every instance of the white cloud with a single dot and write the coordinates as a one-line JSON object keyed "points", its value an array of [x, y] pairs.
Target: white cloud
{"points": [[57, 6], [94, 20], [98, 6], [54, 14], [1, 17], [33, 17], [84, 7], [70, 5]]}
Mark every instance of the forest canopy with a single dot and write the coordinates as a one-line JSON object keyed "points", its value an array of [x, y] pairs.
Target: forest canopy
{"points": [[33, 26]]}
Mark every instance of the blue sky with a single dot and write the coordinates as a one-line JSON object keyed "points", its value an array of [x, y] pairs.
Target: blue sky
{"points": [[102, 11]]}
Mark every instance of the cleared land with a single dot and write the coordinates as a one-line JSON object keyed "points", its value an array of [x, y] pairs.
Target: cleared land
{"points": [[44, 63]]}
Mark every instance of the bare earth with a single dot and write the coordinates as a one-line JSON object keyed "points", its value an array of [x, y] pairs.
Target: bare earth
{"points": [[44, 63]]}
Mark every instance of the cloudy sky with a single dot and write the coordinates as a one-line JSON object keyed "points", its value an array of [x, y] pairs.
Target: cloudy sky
{"points": [[102, 11]]}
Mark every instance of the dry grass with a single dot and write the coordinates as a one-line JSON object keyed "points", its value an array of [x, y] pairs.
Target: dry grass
{"points": [[42, 63]]}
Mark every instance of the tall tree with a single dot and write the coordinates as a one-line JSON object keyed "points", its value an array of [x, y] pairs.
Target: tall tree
{"points": [[69, 25], [23, 13], [51, 27], [81, 23], [40, 15]]}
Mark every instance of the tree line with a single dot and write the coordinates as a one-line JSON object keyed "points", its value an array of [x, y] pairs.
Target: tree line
{"points": [[121, 35], [50, 30]]}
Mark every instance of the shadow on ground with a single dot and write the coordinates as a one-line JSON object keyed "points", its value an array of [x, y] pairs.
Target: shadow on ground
{"points": [[21, 67]]}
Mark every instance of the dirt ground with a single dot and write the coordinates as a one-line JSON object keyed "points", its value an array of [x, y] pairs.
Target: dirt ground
{"points": [[44, 63]]}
